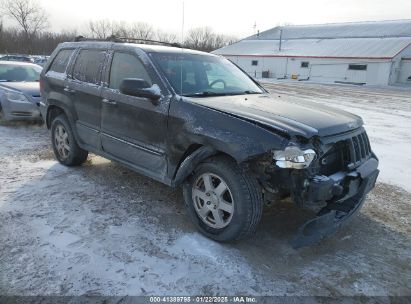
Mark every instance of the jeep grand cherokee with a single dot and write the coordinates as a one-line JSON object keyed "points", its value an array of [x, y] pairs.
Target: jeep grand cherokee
{"points": [[195, 119]]}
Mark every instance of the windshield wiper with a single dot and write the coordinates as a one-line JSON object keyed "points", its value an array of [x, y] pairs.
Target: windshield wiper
{"points": [[251, 92], [210, 93], [204, 94]]}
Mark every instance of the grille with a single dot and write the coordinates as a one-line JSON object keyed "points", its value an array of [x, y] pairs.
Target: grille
{"points": [[346, 154], [356, 150]]}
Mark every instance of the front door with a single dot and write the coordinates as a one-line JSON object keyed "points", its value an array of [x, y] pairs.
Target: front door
{"points": [[133, 129]]}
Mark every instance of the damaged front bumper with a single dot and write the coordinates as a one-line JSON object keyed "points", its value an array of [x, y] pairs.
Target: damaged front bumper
{"points": [[344, 193]]}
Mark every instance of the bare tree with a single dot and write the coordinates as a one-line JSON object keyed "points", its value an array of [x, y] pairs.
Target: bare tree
{"points": [[166, 36], [199, 38], [141, 30], [29, 15], [102, 28], [120, 29], [105, 28], [1, 34], [204, 39]]}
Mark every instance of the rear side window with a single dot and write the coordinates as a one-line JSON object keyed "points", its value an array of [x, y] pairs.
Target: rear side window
{"points": [[61, 61], [88, 66], [126, 66]]}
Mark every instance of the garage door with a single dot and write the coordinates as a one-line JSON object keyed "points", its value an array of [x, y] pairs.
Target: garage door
{"points": [[405, 71], [356, 76], [328, 72], [349, 73]]}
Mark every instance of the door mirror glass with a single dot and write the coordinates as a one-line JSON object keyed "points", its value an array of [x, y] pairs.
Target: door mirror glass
{"points": [[139, 88]]}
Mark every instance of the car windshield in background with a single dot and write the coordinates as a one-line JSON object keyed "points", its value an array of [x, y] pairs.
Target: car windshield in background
{"points": [[202, 75], [19, 73]]}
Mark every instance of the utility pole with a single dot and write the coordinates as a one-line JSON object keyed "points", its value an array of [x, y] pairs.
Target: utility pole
{"points": [[281, 37]]}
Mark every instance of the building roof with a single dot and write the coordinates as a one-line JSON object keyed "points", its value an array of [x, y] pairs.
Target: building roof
{"points": [[382, 40], [377, 48], [369, 29]]}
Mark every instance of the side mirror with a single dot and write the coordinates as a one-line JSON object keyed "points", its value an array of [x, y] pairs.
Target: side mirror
{"points": [[139, 88]]}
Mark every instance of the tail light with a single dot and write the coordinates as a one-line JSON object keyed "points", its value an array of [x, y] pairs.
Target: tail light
{"points": [[41, 86]]}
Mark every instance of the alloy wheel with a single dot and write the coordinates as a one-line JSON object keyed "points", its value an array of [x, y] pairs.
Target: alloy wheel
{"points": [[213, 200], [61, 141]]}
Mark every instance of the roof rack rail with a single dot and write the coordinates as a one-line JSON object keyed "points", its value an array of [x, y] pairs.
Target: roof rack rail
{"points": [[127, 39]]}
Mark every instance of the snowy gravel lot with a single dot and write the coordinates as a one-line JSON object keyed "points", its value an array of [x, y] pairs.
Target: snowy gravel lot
{"points": [[101, 229]]}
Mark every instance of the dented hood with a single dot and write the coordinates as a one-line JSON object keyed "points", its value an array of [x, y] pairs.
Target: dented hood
{"points": [[291, 115]]}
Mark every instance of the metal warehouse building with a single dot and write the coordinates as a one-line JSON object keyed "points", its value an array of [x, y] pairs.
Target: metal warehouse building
{"points": [[374, 53]]}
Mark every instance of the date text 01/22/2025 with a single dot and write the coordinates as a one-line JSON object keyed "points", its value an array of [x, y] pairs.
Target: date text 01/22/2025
{"points": [[203, 299]]}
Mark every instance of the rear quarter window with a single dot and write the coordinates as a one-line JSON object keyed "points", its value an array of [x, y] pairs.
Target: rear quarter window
{"points": [[88, 66], [61, 61]]}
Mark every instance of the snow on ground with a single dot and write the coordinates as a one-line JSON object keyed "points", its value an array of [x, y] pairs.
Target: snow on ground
{"points": [[101, 229], [385, 111]]}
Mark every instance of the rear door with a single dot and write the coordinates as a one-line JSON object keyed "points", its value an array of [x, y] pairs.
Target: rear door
{"points": [[133, 129], [55, 79], [84, 87]]}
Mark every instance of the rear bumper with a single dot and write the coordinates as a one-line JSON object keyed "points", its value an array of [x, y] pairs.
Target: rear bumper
{"points": [[351, 187]]}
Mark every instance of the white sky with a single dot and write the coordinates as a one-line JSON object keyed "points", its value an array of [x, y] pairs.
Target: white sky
{"points": [[229, 17]]}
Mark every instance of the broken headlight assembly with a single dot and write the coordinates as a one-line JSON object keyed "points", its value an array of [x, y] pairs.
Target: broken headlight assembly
{"points": [[293, 157]]}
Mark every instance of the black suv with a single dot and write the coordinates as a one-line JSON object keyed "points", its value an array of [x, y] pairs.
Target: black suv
{"points": [[194, 119]]}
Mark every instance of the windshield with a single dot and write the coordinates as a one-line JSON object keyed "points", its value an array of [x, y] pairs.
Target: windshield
{"points": [[12, 72], [202, 75]]}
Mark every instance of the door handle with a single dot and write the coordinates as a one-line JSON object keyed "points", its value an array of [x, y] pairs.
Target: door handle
{"points": [[68, 90], [105, 100]]}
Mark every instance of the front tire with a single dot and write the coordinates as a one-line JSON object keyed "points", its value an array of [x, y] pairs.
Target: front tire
{"points": [[65, 147], [223, 201]]}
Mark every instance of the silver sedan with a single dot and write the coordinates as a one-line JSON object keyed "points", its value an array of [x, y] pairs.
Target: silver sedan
{"points": [[19, 91]]}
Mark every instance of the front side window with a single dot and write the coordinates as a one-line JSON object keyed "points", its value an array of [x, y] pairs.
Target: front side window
{"points": [[305, 64], [61, 61], [88, 66], [126, 66], [19, 73], [203, 75], [254, 62]]}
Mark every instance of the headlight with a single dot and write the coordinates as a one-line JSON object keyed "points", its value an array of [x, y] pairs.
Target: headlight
{"points": [[294, 158], [16, 97]]}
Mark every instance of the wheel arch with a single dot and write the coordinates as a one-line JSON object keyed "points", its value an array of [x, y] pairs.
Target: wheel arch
{"points": [[195, 154], [54, 110]]}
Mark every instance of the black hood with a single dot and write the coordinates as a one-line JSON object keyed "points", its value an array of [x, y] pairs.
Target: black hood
{"points": [[291, 115], [27, 88]]}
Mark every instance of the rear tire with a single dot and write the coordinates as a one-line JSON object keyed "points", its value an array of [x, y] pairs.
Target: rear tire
{"points": [[223, 201], [65, 147]]}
